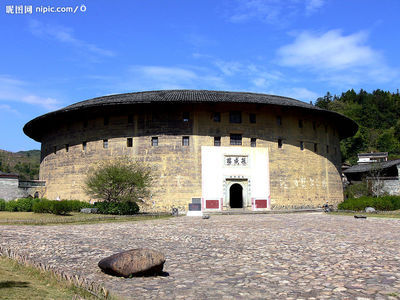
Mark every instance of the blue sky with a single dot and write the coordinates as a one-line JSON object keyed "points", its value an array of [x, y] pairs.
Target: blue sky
{"points": [[295, 48]]}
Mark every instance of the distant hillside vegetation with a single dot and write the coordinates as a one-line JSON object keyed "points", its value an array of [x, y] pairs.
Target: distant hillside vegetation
{"points": [[24, 163], [378, 117]]}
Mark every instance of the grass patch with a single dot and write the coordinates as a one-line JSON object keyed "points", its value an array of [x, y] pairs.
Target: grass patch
{"points": [[24, 282], [380, 214], [30, 218]]}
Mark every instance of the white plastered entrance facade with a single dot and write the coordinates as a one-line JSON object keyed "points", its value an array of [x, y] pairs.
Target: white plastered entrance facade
{"points": [[227, 167]]}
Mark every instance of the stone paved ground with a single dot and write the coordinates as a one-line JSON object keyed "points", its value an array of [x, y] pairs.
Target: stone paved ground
{"points": [[242, 257]]}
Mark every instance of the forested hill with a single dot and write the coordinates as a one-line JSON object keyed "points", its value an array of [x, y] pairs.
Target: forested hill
{"points": [[24, 163], [378, 117]]}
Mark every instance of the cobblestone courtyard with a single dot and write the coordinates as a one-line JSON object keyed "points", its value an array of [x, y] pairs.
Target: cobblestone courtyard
{"points": [[243, 256]]}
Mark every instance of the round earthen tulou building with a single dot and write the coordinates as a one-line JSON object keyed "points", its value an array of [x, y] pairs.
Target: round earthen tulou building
{"points": [[229, 149]]}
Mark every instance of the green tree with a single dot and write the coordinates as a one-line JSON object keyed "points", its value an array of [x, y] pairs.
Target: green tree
{"points": [[378, 117], [119, 180]]}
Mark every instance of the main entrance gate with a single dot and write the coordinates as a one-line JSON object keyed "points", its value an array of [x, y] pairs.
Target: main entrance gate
{"points": [[236, 196]]}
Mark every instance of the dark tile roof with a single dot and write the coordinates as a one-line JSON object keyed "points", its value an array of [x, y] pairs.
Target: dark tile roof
{"points": [[197, 96], [8, 175], [35, 126], [373, 154], [362, 168]]}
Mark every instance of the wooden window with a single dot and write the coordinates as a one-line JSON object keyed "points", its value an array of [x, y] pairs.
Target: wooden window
{"points": [[186, 116], [252, 118], [185, 141], [129, 142], [154, 141], [236, 139], [217, 141], [217, 117], [105, 144], [253, 142], [235, 117]]}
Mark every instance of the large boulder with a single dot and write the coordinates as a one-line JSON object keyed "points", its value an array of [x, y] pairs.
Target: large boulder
{"points": [[370, 210], [135, 262]]}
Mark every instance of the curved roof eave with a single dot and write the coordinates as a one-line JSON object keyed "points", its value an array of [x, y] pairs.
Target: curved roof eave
{"points": [[186, 96]]}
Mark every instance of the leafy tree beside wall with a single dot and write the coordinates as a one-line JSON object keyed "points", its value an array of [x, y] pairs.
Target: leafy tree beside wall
{"points": [[378, 117]]}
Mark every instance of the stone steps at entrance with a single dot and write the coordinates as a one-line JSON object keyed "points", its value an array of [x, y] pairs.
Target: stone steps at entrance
{"points": [[240, 211]]}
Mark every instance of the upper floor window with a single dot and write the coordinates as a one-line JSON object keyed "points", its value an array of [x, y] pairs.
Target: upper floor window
{"points": [[253, 142], [217, 141], [279, 120], [185, 141], [217, 117], [105, 144], [235, 117], [236, 139], [154, 141], [186, 116], [129, 142], [252, 118]]}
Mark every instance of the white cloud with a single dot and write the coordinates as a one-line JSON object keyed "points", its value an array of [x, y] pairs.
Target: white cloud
{"points": [[229, 68], [313, 5], [164, 77], [65, 35], [8, 109], [15, 90], [273, 11], [334, 56]]}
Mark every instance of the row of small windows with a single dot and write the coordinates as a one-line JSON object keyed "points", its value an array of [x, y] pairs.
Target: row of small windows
{"points": [[234, 117], [235, 140]]}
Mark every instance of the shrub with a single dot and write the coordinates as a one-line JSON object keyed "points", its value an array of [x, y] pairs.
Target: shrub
{"points": [[379, 203], [43, 206], [2, 204], [25, 204], [117, 208], [119, 180], [77, 205], [11, 205], [357, 190], [61, 207]]}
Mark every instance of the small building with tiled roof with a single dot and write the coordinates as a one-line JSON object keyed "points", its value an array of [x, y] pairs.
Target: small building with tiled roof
{"points": [[385, 173], [232, 150]]}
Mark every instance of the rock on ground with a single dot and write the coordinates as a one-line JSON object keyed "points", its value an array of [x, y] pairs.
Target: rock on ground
{"points": [[135, 262]]}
